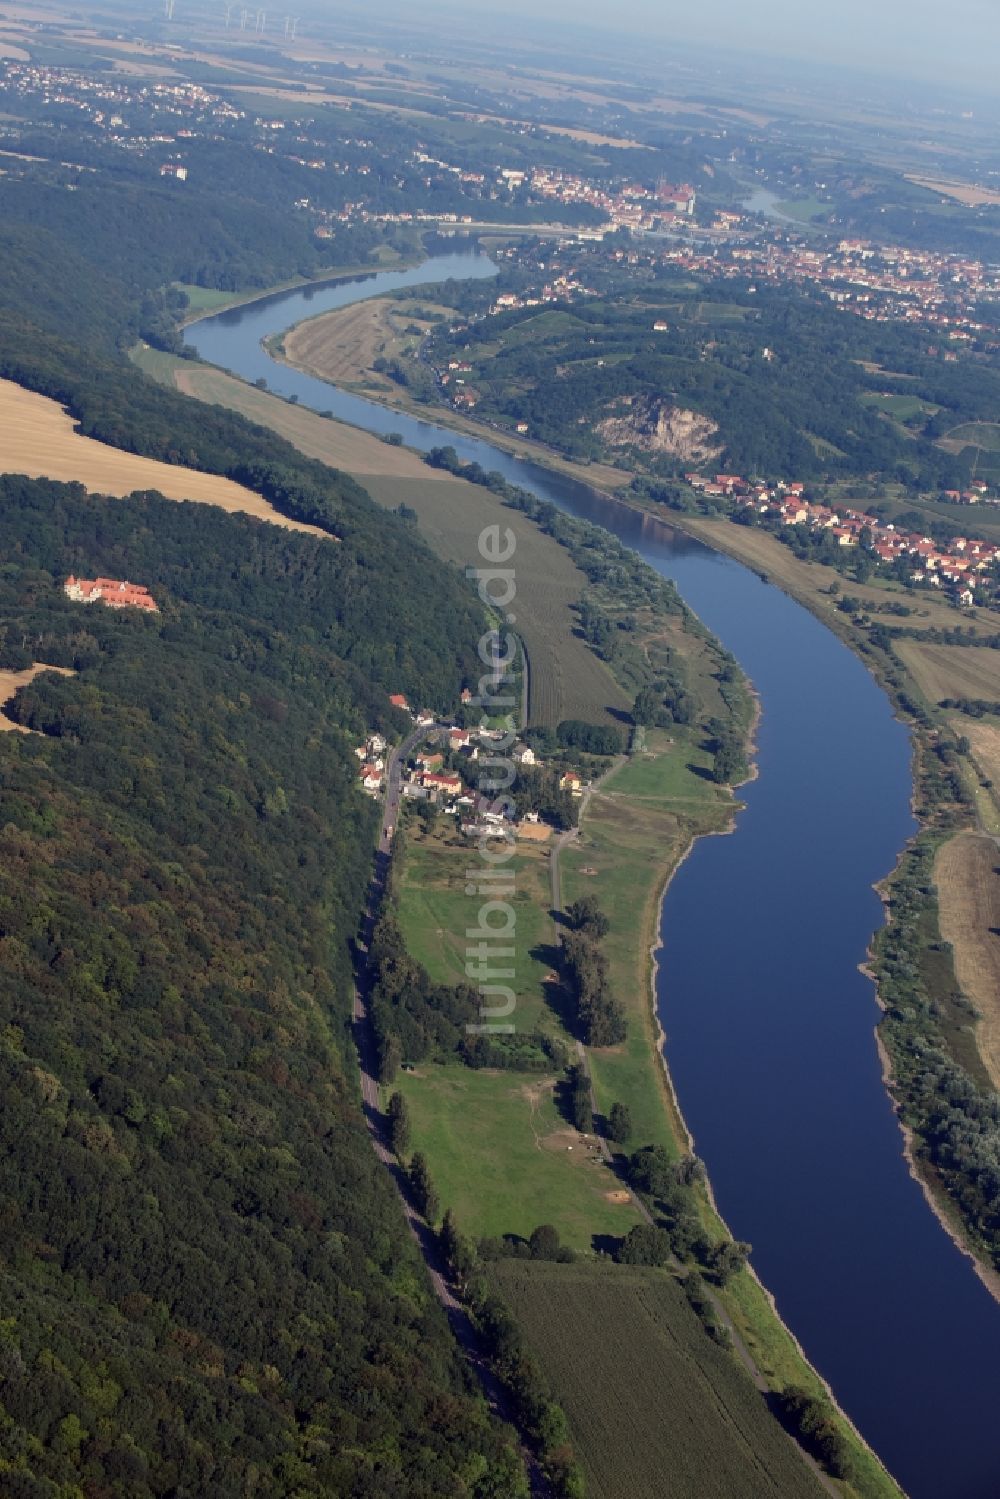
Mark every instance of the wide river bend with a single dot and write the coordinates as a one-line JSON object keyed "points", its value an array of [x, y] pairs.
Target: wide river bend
{"points": [[770, 1023]]}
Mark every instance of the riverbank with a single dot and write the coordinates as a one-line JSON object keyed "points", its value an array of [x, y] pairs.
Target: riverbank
{"points": [[643, 1078], [933, 816], [206, 302], [857, 1379], [600, 476]]}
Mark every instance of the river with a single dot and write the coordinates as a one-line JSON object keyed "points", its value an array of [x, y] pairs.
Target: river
{"points": [[770, 1024]]}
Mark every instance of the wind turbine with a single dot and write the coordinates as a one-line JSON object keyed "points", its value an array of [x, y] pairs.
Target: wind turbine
{"points": [[261, 23], [291, 23]]}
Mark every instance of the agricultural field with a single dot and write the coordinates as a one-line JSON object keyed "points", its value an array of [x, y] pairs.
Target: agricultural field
{"points": [[959, 192], [504, 1159], [342, 346], [566, 679], [38, 438], [984, 435], [645, 1390], [434, 911], [334, 443], [968, 886], [948, 671]]}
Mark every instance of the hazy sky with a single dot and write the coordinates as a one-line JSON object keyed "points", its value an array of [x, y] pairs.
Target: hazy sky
{"points": [[955, 38]]}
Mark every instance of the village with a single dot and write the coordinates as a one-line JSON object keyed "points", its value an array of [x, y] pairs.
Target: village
{"points": [[964, 567], [440, 775]]}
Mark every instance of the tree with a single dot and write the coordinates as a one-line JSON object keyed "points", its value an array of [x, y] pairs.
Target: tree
{"points": [[422, 1188], [812, 1422], [544, 1242], [580, 1110], [644, 1245], [448, 1237], [728, 1259], [620, 1123], [398, 1115], [390, 1058], [727, 764], [585, 915]]}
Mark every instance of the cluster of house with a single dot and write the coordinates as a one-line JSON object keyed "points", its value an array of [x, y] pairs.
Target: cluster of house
{"points": [[114, 592], [426, 779], [629, 205], [963, 565], [880, 284], [372, 768], [107, 103]]}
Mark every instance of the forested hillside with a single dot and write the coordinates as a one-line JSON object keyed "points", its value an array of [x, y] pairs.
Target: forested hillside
{"points": [[206, 1284]]}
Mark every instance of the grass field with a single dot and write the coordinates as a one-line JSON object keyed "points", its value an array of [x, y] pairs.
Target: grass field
{"points": [[983, 772], [968, 886], [903, 408], [434, 911], [947, 671], [636, 828], [655, 1408], [38, 438], [504, 1159], [206, 298], [805, 209], [11, 683]]}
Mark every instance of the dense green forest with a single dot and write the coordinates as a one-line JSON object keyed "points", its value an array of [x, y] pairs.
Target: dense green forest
{"points": [[207, 1286]]}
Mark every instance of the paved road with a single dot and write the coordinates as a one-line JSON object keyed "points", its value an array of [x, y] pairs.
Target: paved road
{"points": [[364, 1040]]}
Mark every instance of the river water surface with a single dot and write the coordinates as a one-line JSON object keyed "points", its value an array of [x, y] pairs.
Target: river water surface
{"points": [[769, 1022]]}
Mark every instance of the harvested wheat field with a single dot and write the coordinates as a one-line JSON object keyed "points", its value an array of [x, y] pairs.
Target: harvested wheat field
{"points": [[348, 448], [968, 885], [11, 683], [38, 438], [984, 738], [341, 346], [950, 671], [966, 193]]}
